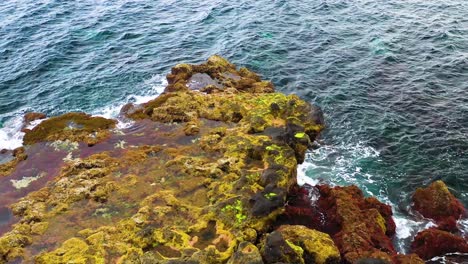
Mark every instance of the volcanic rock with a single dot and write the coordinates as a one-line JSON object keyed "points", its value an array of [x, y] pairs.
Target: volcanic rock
{"points": [[438, 203], [433, 242]]}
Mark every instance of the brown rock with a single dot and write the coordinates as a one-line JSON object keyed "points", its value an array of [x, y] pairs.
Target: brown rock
{"points": [[433, 242], [33, 116], [438, 203], [360, 227], [408, 259]]}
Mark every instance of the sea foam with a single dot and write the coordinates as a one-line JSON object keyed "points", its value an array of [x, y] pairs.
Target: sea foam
{"points": [[11, 136], [341, 165], [157, 83]]}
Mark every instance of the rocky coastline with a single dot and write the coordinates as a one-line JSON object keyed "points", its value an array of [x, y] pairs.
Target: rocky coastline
{"points": [[205, 173]]}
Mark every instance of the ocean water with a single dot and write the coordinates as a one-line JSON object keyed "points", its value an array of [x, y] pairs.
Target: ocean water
{"points": [[391, 76]]}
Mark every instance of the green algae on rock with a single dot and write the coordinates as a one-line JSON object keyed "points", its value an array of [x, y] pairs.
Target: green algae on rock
{"points": [[226, 156], [71, 126], [299, 244]]}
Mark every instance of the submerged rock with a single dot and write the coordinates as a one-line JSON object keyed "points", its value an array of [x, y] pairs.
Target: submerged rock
{"points": [[438, 203]]}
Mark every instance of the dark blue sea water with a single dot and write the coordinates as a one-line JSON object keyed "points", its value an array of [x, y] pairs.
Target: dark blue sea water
{"points": [[391, 76]]}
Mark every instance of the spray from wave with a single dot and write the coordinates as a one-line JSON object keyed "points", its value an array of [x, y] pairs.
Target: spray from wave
{"points": [[342, 164], [11, 136], [157, 83]]}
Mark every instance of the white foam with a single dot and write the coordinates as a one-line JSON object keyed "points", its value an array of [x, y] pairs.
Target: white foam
{"points": [[34, 123], [339, 165], [463, 225], [156, 83], [443, 259], [406, 228], [302, 178], [11, 136]]}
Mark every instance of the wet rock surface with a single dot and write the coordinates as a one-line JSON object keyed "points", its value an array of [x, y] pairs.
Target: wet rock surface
{"points": [[30, 118], [9, 160], [71, 126], [361, 227]]}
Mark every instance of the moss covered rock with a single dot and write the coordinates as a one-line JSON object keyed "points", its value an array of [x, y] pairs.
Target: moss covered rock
{"points": [[299, 244], [361, 227], [246, 253], [73, 250], [31, 117], [71, 126]]}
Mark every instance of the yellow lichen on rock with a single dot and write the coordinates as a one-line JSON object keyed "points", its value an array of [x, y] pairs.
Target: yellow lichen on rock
{"points": [[73, 250], [313, 242]]}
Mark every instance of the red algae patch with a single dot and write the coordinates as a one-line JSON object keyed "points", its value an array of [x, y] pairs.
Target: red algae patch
{"points": [[438, 203], [434, 242]]}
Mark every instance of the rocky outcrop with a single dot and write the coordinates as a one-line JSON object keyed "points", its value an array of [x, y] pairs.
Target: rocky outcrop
{"points": [[33, 116], [362, 228], [436, 202], [200, 177], [433, 242], [206, 173], [246, 253], [72, 126]]}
